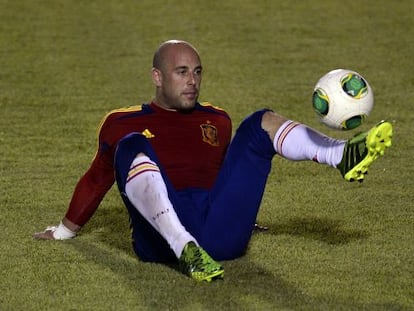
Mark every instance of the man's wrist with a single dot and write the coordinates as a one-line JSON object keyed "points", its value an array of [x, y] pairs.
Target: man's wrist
{"points": [[62, 232]]}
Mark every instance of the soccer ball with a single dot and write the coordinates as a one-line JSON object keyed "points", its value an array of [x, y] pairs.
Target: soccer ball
{"points": [[342, 99]]}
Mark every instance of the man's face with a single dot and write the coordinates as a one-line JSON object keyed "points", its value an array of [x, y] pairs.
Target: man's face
{"points": [[179, 78]]}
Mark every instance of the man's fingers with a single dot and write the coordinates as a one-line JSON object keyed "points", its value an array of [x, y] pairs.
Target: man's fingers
{"points": [[44, 235], [60, 232]]}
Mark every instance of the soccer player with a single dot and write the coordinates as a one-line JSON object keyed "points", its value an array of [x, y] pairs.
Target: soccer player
{"points": [[192, 192]]}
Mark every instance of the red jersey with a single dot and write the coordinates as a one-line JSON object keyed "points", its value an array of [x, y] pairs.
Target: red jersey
{"points": [[189, 145]]}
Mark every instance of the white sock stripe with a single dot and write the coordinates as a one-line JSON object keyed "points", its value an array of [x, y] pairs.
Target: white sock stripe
{"points": [[290, 125], [140, 168]]}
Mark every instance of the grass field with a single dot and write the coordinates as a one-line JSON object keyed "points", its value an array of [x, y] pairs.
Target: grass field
{"points": [[331, 245]]}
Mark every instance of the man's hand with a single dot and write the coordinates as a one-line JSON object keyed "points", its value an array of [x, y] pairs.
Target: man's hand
{"points": [[45, 235], [65, 230]]}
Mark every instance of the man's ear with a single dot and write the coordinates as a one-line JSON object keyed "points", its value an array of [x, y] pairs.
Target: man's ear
{"points": [[156, 77]]}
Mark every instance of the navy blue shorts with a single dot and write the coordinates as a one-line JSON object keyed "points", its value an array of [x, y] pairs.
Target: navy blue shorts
{"points": [[222, 218]]}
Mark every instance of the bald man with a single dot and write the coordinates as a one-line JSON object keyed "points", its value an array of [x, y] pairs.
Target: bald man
{"points": [[191, 191]]}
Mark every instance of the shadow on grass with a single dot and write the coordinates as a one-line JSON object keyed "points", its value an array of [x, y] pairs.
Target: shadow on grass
{"points": [[159, 287], [247, 285], [326, 230], [111, 225]]}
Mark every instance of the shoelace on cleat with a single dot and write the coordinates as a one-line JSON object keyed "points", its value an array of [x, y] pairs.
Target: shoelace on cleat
{"points": [[203, 261]]}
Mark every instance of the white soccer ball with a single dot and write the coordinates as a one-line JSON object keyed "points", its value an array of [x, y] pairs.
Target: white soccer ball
{"points": [[342, 99]]}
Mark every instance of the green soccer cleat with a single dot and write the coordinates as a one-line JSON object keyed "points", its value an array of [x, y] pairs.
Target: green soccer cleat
{"points": [[197, 264], [363, 149]]}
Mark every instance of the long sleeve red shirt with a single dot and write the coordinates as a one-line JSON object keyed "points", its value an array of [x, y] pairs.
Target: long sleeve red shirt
{"points": [[189, 145]]}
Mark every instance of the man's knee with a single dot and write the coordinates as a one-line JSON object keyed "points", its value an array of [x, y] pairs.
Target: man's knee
{"points": [[128, 148], [267, 120], [271, 122], [132, 141]]}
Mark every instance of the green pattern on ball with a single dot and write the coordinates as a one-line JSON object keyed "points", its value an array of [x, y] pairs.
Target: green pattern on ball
{"points": [[320, 102], [353, 122], [354, 85]]}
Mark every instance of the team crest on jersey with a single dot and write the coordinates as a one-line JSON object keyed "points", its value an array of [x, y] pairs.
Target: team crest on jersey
{"points": [[210, 135]]}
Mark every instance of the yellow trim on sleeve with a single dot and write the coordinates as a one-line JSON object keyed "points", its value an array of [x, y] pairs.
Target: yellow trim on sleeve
{"points": [[124, 109], [208, 104]]}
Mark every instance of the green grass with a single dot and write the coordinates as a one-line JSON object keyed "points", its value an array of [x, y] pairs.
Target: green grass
{"points": [[331, 245]]}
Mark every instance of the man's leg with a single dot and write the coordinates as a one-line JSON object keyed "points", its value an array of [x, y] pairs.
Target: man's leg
{"points": [[237, 194], [147, 241], [157, 230], [238, 190], [352, 157]]}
